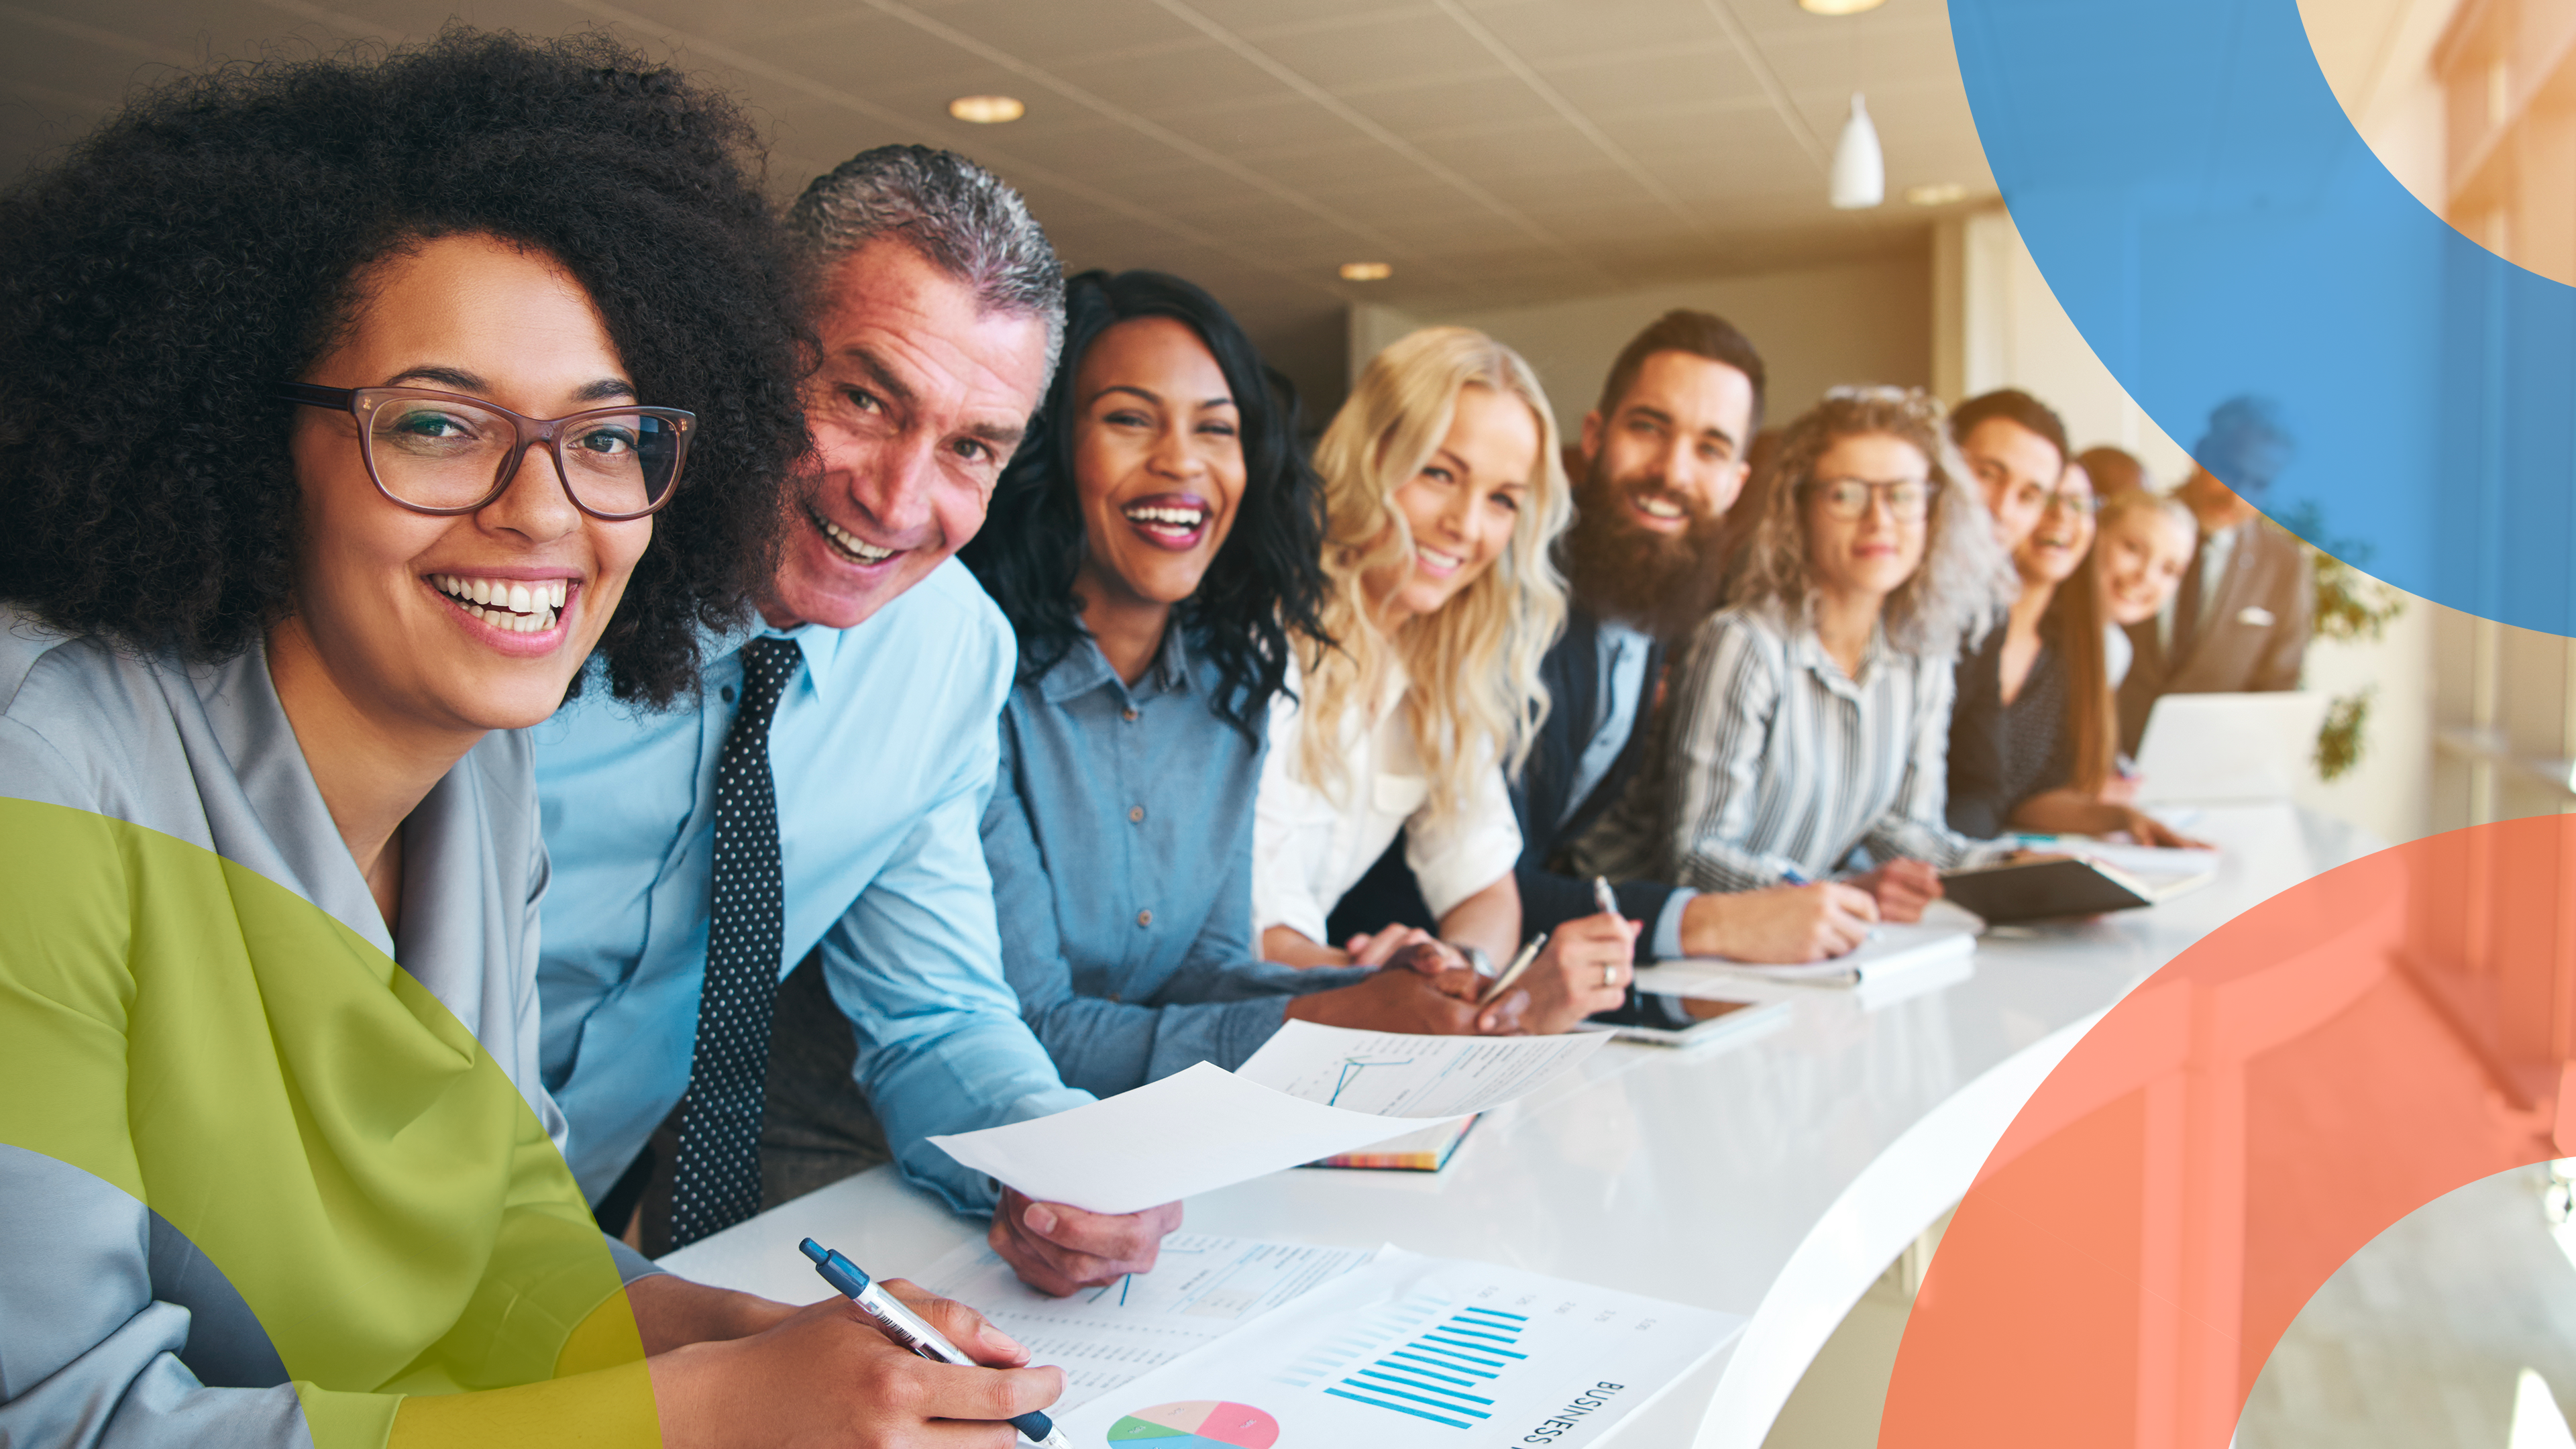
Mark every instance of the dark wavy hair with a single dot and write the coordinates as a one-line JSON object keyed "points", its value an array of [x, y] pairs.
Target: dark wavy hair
{"points": [[213, 239], [1265, 580]]}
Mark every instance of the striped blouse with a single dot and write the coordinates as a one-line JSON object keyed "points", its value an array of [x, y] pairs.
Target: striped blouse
{"points": [[1772, 764]]}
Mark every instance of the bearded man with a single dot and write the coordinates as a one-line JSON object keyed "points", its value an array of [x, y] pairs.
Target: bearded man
{"points": [[1661, 459]]}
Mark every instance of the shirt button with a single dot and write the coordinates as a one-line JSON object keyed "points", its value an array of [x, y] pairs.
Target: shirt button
{"points": [[1136, 812], [1144, 918], [726, 694], [1129, 715]]}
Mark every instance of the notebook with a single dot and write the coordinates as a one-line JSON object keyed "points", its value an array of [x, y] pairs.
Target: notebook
{"points": [[1425, 1149], [1889, 953]]}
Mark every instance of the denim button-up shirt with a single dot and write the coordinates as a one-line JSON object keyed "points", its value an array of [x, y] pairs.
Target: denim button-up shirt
{"points": [[1119, 837]]}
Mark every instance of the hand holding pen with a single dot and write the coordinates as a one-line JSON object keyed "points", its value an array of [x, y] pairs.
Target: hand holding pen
{"points": [[909, 1326]]}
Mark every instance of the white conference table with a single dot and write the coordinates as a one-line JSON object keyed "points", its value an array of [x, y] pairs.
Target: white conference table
{"points": [[1777, 1178]]}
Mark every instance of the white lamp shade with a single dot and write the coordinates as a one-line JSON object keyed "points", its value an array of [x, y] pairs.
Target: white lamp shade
{"points": [[1860, 171]]}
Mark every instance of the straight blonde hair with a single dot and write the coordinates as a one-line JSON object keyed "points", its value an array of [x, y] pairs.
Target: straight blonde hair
{"points": [[1475, 697]]}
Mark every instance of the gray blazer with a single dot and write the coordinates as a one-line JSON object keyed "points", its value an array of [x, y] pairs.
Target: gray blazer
{"points": [[113, 1329], [2253, 636]]}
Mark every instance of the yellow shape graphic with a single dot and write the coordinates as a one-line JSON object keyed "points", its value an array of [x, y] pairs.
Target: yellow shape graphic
{"points": [[320, 1127]]}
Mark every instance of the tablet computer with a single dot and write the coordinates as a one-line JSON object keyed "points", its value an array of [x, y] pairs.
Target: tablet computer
{"points": [[1669, 1020]]}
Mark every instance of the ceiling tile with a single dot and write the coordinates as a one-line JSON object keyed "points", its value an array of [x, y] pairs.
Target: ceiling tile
{"points": [[1437, 105], [1400, 49], [1057, 33], [1549, 32], [1701, 75], [1202, 73]]}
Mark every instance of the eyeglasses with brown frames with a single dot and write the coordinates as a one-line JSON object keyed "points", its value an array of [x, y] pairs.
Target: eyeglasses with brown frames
{"points": [[445, 453]]}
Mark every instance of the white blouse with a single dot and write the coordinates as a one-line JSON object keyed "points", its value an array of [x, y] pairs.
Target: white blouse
{"points": [[1309, 848]]}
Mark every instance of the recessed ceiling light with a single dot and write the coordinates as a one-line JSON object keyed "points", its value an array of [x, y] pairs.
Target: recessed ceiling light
{"points": [[1838, 7], [987, 110], [1366, 271], [1937, 193]]}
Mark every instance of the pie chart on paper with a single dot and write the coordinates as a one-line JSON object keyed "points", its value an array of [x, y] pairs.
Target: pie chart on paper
{"points": [[1200, 1424]]}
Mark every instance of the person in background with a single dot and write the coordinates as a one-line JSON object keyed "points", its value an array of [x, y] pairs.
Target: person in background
{"points": [[1443, 494], [2114, 471], [2057, 727], [291, 562], [2240, 620], [822, 795], [1807, 720], [2014, 446], [2141, 553], [1153, 546], [1661, 462]]}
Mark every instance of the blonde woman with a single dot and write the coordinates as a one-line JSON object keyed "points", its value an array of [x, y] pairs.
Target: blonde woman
{"points": [[1442, 496], [1811, 717]]}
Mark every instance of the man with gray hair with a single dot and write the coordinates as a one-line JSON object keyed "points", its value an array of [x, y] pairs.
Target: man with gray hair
{"points": [[821, 802]]}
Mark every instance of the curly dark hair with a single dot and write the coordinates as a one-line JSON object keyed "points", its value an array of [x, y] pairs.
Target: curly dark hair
{"points": [[212, 240], [1266, 579]]}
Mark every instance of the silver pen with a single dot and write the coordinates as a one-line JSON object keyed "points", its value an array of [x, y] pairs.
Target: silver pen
{"points": [[1512, 973], [913, 1331]]}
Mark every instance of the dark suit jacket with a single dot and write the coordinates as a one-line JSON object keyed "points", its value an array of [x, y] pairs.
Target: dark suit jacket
{"points": [[1976, 739], [1572, 672], [2236, 648]]}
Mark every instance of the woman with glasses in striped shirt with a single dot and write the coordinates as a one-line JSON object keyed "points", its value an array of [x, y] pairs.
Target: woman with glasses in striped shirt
{"points": [[1810, 718]]}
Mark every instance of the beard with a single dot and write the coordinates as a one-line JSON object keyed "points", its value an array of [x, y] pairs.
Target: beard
{"points": [[1661, 584]]}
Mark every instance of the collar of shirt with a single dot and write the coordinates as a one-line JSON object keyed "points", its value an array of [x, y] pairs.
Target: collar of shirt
{"points": [[1084, 668], [1807, 649]]}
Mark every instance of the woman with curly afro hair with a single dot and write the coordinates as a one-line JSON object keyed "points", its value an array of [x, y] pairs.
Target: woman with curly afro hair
{"points": [[351, 409]]}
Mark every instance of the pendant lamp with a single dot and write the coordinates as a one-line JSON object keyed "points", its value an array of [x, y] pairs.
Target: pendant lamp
{"points": [[1860, 171]]}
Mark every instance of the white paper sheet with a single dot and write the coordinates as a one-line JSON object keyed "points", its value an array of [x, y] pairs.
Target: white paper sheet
{"points": [[1206, 1128], [1412, 1350], [1409, 1076], [1201, 1288]]}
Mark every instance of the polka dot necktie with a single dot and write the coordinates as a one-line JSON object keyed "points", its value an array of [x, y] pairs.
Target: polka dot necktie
{"points": [[717, 1181]]}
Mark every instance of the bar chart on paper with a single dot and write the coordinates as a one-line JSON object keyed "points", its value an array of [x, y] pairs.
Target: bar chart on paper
{"points": [[1410, 1351], [1442, 1354]]}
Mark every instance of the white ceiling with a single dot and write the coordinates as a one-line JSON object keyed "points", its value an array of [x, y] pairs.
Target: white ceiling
{"points": [[1492, 151]]}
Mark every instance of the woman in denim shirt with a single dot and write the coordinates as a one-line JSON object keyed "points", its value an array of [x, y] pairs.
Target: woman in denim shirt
{"points": [[1154, 544]]}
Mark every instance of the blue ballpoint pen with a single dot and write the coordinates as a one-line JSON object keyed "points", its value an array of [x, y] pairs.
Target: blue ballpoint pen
{"points": [[909, 1329]]}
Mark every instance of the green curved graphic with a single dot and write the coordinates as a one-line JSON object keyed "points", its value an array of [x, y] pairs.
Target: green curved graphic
{"points": [[316, 1124]]}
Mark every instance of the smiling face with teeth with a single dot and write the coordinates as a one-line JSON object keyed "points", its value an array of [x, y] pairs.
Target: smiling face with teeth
{"points": [[1158, 467], [407, 623], [922, 395], [1672, 451], [2064, 533], [2145, 551], [1462, 503]]}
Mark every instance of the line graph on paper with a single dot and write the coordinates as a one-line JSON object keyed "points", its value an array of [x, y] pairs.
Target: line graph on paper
{"points": [[1350, 1075], [1390, 1074]]}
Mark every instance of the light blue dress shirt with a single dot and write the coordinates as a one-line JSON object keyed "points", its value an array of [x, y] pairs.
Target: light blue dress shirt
{"points": [[1120, 841], [883, 749]]}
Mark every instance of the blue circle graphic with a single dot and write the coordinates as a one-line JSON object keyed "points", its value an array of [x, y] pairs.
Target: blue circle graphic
{"points": [[2209, 218]]}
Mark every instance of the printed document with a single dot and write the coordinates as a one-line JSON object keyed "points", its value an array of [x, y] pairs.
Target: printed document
{"points": [[1206, 1128], [1411, 1351], [1202, 1287]]}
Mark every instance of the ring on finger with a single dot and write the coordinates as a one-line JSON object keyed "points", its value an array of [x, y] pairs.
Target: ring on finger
{"points": [[1609, 974]]}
